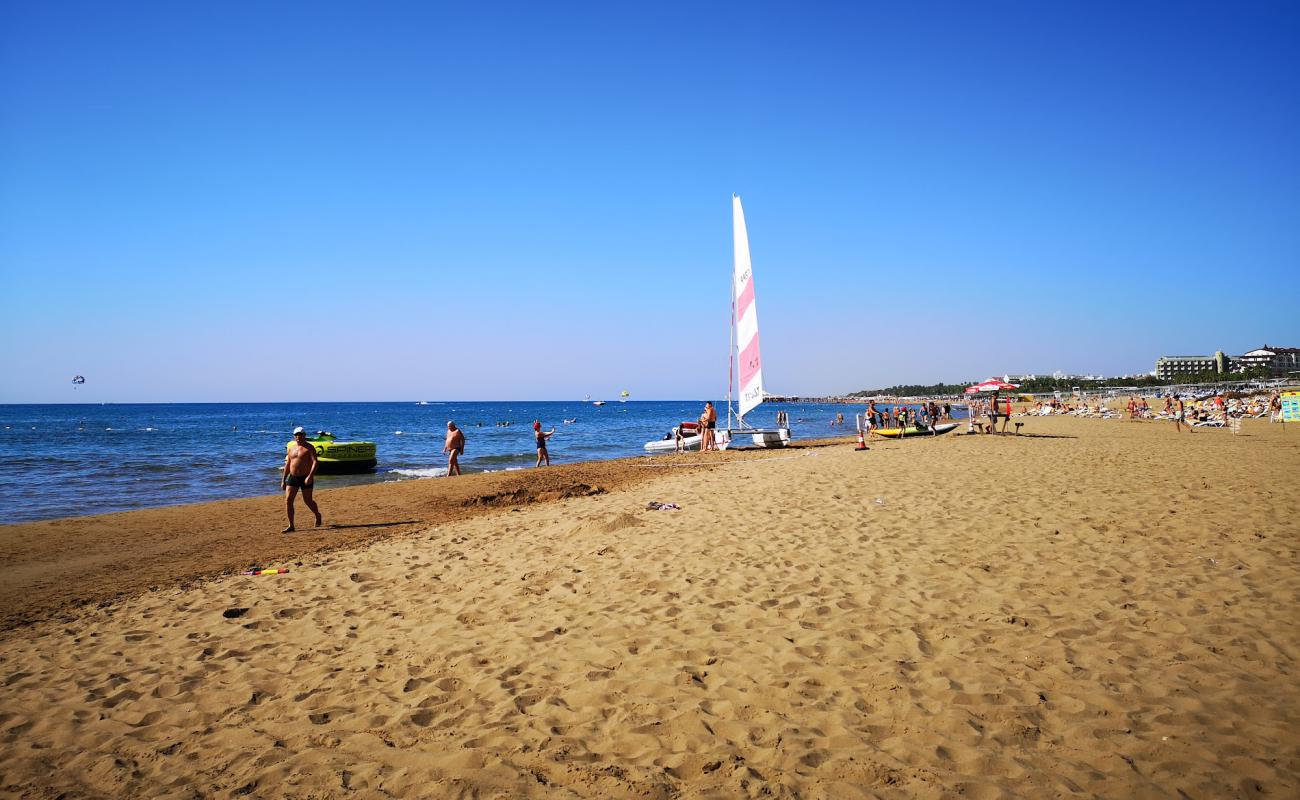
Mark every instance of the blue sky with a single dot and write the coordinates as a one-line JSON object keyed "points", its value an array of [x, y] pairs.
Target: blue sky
{"points": [[390, 201]]}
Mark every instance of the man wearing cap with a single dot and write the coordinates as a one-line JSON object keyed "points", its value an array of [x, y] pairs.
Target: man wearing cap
{"points": [[299, 472]]}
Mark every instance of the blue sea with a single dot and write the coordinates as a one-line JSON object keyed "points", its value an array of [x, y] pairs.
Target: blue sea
{"points": [[73, 460]]}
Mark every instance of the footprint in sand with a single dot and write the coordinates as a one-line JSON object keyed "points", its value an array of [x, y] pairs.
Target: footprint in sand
{"points": [[413, 683]]}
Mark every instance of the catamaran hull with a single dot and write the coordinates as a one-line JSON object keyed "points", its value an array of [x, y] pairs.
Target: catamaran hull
{"points": [[691, 442], [779, 437]]}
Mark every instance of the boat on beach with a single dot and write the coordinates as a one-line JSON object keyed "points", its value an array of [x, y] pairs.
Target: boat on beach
{"points": [[689, 434], [341, 458], [901, 433], [743, 354]]}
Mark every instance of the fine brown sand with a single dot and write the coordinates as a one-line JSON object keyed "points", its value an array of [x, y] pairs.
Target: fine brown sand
{"points": [[1101, 608]]}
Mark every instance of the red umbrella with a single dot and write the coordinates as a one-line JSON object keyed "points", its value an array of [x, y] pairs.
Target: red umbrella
{"points": [[991, 385]]}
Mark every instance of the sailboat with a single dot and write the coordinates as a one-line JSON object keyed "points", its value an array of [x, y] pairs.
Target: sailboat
{"points": [[623, 396], [744, 352]]}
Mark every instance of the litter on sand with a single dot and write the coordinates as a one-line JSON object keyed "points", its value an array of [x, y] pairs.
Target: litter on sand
{"points": [[279, 571], [655, 505]]}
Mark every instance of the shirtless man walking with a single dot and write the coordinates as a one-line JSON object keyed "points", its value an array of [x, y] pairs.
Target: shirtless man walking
{"points": [[454, 446], [299, 473], [1180, 415]]}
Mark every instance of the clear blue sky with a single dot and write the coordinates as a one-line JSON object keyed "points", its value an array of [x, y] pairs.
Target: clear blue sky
{"points": [[270, 201]]}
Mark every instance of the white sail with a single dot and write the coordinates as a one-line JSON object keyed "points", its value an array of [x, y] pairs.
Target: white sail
{"points": [[746, 315]]}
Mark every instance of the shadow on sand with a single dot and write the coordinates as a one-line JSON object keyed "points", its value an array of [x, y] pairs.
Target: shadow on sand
{"points": [[1024, 435]]}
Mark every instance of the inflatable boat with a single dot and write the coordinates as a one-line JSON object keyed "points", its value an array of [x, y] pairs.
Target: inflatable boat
{"points": [[338, 458], [899, 433]]}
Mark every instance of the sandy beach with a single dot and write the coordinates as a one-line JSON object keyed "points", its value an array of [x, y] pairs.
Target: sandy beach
{"points": [[1098, 608]]}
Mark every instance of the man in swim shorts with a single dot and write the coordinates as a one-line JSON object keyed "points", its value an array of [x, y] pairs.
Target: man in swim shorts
{"points": [[708, 423], [454, 447], [299, 473], [1180, 415]]}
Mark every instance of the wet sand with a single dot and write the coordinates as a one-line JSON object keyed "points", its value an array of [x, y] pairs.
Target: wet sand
{"points": [[1100, 608]]}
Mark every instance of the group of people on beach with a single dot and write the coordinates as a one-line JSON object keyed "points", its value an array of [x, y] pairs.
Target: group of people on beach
{"points": [[300, 465], [926, 415], [454, 446]]}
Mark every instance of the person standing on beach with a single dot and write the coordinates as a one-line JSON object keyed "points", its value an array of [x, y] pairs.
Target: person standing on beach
{"points": [[542, 436], [708, 422], [299, 473], [453, 447], [1180, 415]]}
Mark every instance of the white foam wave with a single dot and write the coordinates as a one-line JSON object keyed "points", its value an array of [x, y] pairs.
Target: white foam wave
{"points": [[430, 472]]}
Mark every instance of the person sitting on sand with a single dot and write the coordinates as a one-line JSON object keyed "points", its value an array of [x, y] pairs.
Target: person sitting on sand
{"points": [[454, 448], [299, 473], [542, 436]]}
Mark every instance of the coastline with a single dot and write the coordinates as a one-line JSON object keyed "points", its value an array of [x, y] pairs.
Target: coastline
{"points": [[1098, 607]]}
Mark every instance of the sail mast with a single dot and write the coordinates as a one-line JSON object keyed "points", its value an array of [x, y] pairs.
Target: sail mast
{"points": [[731, 352]]}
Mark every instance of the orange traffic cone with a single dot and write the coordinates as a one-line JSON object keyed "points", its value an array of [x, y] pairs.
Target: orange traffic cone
{"points": [[862, 443]]}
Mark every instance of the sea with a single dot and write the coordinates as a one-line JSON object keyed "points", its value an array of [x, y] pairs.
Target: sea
{"points": [[72, 460]]}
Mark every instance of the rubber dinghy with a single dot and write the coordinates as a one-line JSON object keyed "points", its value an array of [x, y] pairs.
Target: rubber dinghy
{"points": [[340, 458], [899, 433]]}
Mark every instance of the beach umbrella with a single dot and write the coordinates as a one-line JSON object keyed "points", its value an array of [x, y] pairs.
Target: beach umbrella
{"points": [[991, 385]]}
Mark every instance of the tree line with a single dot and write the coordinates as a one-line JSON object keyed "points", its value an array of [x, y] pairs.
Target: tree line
{"points": [[1047, 384]]}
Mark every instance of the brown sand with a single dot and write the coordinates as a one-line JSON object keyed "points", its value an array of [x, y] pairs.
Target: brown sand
{"points": [[48, 568], [1101, 609]]}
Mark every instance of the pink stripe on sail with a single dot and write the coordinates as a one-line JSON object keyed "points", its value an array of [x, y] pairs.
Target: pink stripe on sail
{"points": [[749, 361], [746, 298]]}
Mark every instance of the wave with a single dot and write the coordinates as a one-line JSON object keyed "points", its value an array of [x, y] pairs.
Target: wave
{"points": [[503, 458], [430, 472]]}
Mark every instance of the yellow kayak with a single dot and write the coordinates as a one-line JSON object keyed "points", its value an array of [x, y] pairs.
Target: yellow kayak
{"points": [[899, 433]]}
